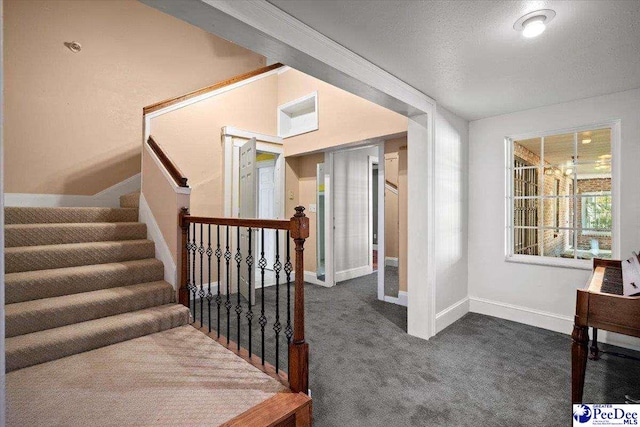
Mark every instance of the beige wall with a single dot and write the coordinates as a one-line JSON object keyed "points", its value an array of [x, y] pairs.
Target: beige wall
{"points": [[304, 171], [191, 137], [342, 116], [73, 121]]}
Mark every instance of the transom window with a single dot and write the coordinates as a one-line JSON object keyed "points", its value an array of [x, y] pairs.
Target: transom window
{"points": [[559, 199]]}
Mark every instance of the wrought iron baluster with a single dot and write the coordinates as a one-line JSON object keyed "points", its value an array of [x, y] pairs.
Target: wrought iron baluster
{"points": [[277, 327], [187, 248], [201, 293], [227, 304], [209, 294], [250, 282], [194, 287], [238, 259], [288, 268], [218, 297], [262, 264]]}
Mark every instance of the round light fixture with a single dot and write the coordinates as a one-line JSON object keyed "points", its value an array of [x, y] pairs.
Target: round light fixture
{"points": [[534, 23], [568, 171]]}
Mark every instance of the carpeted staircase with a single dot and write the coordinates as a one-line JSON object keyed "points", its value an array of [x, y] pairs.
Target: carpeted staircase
{"points": [[81, 278]]}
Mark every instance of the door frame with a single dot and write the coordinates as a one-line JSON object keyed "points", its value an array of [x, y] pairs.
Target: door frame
{"points": [[231, 177], [330, 212]]}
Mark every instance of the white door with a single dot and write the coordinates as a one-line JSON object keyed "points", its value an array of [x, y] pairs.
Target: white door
{"points": [[266, 209], [247, 210]]}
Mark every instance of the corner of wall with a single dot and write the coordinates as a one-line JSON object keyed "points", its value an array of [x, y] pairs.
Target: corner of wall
{"points": [[155, 234]]}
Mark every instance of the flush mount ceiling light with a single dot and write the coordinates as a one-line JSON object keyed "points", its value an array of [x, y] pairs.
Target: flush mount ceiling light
{"points": [[586, 141], [534, 23]]}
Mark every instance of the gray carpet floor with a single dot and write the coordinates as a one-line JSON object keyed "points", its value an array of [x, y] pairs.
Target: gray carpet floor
{"points": [[481, 371]]}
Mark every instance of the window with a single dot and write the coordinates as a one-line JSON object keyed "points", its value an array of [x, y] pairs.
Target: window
{"points": [[559, 199], [596, 213]]}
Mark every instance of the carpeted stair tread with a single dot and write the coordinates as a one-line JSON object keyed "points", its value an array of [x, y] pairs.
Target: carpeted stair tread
{"points": [[33, 215], [32, 316], [43, 346], [131, 200], [32, 285], [17, 235], [30, 258]]}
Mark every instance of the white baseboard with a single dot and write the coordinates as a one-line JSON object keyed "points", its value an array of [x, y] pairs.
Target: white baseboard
{"points": [[402, 299], [108, 198], [544, 319], [451, 314], [391, 261], [341, 276], [162, 249]]}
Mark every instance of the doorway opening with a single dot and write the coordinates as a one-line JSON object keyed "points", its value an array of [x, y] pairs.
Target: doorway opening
{"points": [[254, 188]]}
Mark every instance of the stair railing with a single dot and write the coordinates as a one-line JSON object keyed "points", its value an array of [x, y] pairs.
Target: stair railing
{"points": [[231, 251]]}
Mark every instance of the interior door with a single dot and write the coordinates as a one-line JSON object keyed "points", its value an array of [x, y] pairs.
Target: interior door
{"points": [[266, 208], [247, 210]]}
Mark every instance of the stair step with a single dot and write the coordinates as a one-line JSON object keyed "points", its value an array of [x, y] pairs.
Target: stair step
{"points": [[131, 200], [51, 344], [33, 316], [33, 285], [16, 235], [32, 215], [30, 258]]}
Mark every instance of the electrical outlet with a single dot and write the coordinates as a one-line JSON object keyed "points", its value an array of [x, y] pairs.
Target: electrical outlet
{"points": [[312, 207]]}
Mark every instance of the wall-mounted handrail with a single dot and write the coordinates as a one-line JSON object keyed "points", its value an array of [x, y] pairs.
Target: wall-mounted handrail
{"points": [[206, 243], [168, 164], [178, 99]]}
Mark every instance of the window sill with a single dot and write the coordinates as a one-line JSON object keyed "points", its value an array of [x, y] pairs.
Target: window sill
{"points": [[578, 264]]}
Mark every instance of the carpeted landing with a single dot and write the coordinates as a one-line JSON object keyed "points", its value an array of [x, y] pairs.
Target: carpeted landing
{"points": [[179, 377]]}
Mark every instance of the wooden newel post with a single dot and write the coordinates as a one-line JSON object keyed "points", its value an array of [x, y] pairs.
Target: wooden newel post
{"points": [[183, 290], [298, 348]]}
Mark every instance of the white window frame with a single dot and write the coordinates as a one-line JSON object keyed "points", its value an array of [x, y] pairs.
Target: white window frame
{"points": [[582, 264]]}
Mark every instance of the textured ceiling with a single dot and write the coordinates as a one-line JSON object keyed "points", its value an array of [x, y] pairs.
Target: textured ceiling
{"points": [[467, 55]]}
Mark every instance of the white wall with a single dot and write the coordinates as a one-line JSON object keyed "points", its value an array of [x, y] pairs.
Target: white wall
{"points": [[452, 149], [539, 295], [351, 204]]}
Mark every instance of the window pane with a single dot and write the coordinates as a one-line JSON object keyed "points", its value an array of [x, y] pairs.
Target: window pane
{"points": [[594, 212], [527, 151], [558, 212], [527, 182], [526, 213], [558, 181], [594, 146], [593, 246], [558, 149], [594, 185], [558, 244], [525, 241]]}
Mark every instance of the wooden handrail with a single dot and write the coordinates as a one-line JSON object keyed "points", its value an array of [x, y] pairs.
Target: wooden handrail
{"points": [[172, 101], [274, 224], [171, 167]]}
